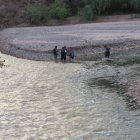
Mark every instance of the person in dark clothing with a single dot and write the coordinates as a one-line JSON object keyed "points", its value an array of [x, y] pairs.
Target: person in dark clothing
{"points": [[107, 52], [55, 53], [63, 53]]}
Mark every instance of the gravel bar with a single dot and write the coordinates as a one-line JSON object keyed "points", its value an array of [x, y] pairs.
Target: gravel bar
{"points": [[36, 43]]}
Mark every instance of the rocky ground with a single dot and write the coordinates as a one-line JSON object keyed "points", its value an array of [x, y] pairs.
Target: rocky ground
{"points": [[36, 43], [133, 91]]}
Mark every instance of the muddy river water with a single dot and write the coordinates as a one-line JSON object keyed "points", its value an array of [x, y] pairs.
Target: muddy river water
{"points": [[55, 101]]}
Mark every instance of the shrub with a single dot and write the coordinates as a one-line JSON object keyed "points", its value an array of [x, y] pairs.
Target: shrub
{"points": [[94, 8], [101, 6], [87, 12], [58, 11], [135, 5], [36, 13]]}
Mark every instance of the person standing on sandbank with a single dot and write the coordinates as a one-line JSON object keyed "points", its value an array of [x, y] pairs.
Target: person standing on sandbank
{"points": [[63, 54], [55, 53], [71, 54], [107, 52]]}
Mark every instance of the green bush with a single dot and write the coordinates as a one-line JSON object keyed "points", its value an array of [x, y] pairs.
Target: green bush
{"points": [[36, 13], [101, 6], [94, 8], [87, 12], [58, 11], [135, 5]]}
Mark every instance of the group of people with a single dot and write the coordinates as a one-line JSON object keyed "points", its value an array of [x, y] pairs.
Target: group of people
{"points": [[64, 52], [70, 52]]}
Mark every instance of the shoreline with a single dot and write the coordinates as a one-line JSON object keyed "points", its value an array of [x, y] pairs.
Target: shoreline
{"points": [[80, 51], [132, 92], [87, 39], [37, 43]]}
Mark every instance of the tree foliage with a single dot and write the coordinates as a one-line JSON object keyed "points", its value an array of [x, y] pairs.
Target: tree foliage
{"points": [[88, 9], [36, 13], [57, 10], [135, 5], [87, 12]]}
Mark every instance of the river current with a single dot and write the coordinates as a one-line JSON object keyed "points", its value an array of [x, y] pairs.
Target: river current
{"points": [[54, 101]]}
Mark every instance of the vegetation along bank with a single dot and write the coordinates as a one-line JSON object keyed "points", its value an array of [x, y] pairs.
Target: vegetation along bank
{"points": [[49, 12]]}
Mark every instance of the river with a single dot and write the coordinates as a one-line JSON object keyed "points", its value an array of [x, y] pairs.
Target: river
{"points": [[56, 101]]}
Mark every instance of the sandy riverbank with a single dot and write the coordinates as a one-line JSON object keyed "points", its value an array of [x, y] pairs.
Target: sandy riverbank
{"points": [[36, 43]]}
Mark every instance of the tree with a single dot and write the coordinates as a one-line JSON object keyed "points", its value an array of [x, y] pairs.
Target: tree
{"points": [[135, 5]]}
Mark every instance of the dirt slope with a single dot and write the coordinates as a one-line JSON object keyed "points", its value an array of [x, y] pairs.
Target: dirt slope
{"points": [[14, 12]]}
